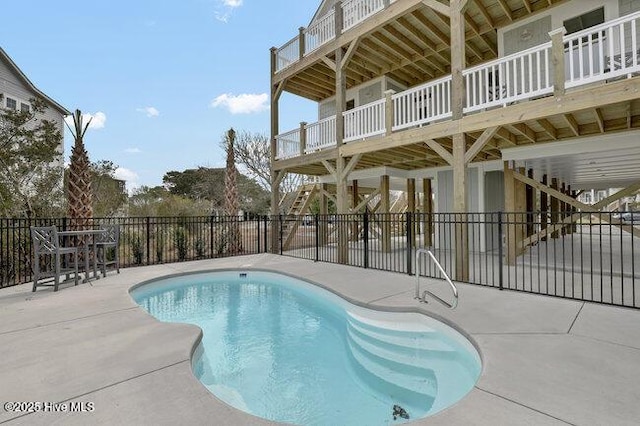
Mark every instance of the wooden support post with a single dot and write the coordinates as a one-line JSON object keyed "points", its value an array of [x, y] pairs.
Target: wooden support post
{"points": [[303, 138], [427, 210], [544, 207], [411, 206], [460, 207], [385, 206], [342, 199], [324, 212], [388, 111], [275, 181], [555, 208], [355, 200], [301, 42], [557, 59], [510, 208], [458, 62], [531, 193]]}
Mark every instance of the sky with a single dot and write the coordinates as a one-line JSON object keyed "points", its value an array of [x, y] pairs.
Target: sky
{"points": [[163, 80]]}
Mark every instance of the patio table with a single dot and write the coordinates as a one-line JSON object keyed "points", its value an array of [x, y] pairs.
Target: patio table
{"points": [[91, 233]]}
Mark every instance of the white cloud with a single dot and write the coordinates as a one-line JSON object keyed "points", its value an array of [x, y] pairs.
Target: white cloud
{"points": [[245, 103], [98, 120], [149, 111], [225, 9], [133, 150]]}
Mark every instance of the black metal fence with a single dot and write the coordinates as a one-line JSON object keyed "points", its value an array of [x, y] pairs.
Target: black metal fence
{"points": [[584, 256], [143, 240], [587, 256]]}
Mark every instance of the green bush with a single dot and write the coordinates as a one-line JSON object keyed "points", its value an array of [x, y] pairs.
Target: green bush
{"points": [[181, 242], [160, 244]]}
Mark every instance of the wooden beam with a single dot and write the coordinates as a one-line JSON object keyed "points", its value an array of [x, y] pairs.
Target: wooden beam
{"points": [[441, 8], [330, 169], [525, 131], [440, 150], [483, 10], [599, 119], [548, 128], [631, 189], [366, 200], [553, 192], [351, 164], [527, 5], [573, 124], [507, 136], [350, 51], [506, 9], [328, 62], [480, 143]]}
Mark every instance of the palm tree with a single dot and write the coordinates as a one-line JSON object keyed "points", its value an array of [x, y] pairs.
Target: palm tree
{"points": [[79, 195], [231, 197]]}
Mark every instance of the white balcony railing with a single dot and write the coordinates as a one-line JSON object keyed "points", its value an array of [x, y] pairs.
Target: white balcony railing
{"points": [[422, 104], [516, 77], [356, 11], [321, 32], [321, 134], [605, 51], [288, 54], [288, 144], [610, 50], [364, 121]]}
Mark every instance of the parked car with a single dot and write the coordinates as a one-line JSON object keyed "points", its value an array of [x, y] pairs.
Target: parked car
{"points": [[631, 217]]}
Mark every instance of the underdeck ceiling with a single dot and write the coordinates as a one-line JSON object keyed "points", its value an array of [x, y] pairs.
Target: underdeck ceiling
{"points": [[415, 48]]}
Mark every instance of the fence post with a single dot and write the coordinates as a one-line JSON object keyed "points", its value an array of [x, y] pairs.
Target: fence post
{"points": [[281, 231], [148, 227], [365, 220], [500, 254], [211, 254], [258, 234], [409, 236], [317, 238], [266, 235]]}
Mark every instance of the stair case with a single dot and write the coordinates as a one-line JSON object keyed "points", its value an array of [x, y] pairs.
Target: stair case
{"points": [[299, 207]]}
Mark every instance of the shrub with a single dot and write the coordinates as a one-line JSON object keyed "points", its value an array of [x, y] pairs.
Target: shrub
{"points": [[181, 242]]}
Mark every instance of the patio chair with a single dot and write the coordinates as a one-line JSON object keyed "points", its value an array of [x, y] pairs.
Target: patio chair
{"points": [[46, 243], [110, 238]]}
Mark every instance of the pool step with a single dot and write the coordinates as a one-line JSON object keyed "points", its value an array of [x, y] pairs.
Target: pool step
{"points": [[408, 390]]}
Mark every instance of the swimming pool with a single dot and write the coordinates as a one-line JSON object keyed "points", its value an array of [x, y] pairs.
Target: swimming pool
{"points": [[289, 351]]}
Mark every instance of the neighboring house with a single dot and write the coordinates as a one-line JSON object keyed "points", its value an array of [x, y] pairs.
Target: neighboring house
{"points": [[473, 101], [16, 90]]}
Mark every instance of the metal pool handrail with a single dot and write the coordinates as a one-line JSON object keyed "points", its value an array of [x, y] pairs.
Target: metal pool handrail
{"points": [[446, 277]]}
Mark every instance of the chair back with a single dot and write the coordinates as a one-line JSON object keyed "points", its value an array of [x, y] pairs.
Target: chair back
{"points": [[45, 239], [111, 234]]}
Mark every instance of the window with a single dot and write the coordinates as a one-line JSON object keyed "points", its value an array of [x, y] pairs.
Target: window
{"points": [[24, 107], [12, 104], [588, 20], [350, 104]]}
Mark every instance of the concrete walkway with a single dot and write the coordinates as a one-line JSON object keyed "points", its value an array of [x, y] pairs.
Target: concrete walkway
{"points": [[545, 360]]}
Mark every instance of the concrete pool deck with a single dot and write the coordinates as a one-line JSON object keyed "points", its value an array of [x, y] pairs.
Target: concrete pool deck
{"points": [[545, 360]]}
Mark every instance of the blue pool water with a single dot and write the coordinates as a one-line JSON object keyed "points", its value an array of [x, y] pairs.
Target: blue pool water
{"points": [[288, 351]]}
